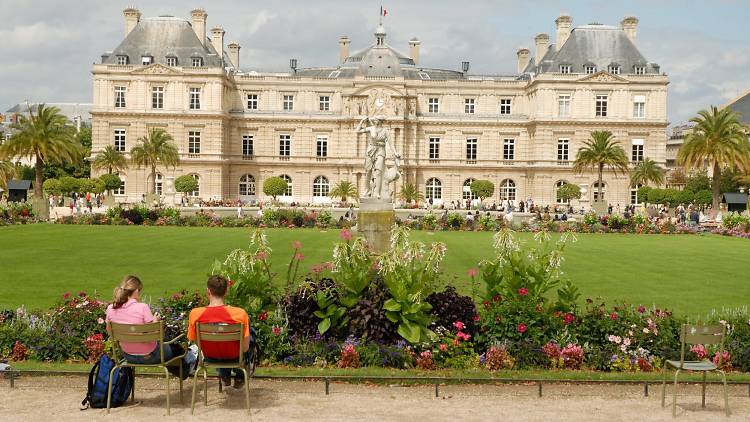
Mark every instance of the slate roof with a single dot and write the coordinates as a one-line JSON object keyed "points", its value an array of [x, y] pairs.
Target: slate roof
{"points": [[70, 110], [601, 45], [734, 198], [19, 184], [742, 106], [165, 36]]}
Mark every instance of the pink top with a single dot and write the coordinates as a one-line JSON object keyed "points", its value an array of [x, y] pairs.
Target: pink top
{"points": [[133, 312]]}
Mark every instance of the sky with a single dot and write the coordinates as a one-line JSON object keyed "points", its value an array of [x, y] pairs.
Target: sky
{"points": [[47, 47]]}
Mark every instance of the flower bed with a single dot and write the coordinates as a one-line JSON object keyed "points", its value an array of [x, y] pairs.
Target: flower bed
{"points": [[16, 213]]}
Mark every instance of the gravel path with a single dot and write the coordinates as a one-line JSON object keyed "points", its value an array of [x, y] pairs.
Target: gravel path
{"points": [[57, 398]]}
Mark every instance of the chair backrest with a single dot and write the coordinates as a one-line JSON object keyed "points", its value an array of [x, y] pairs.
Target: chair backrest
{"points": [[218, 332], [137, 333], [702, 334]]}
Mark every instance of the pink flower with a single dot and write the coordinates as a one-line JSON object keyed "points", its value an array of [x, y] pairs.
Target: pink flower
{"points": [[299, 256], [523, 291], [100, 321], [521, 328], [459, 325], [443, 347], [263, 316], [641, 309], [316, 269], [261, 256], [475, 318], [346, 235], [568, 318], [472, 272], [296, 244], [463, 336], [276, 330], [613, 316]]}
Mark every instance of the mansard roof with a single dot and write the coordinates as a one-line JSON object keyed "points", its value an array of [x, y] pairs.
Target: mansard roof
{"points": [[742, 106], [162, 37]]}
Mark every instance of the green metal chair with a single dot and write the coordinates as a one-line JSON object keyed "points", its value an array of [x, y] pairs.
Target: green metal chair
{"points": [[697, 334], [219, 333], [144, 333]]}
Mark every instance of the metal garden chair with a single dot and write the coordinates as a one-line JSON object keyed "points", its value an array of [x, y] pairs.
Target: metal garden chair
{"points": [[219, 333], [144, 333], [697, 334]]}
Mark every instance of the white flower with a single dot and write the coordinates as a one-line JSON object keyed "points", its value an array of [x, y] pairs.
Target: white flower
{"points": [[624, 348], [723, 322], [630, 332], [626, 342], [645, 330]]}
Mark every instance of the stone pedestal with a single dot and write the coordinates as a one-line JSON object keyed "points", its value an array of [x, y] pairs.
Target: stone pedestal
{"points": [[375, 220], [40, 207]]}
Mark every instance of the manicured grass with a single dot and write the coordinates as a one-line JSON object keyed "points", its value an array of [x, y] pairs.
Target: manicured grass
{"points": [[38, 263]]}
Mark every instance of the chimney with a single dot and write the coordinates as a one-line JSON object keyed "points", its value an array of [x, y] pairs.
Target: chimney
{"points": [[414, 50], [234, 54], [542, 45], [199, 24], [343, 48], [629, 25], [564, 22], [217, 40], [132, 17], [523, 58]]}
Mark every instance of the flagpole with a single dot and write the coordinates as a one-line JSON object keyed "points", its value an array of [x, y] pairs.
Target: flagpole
{"points": [[380, 18]]}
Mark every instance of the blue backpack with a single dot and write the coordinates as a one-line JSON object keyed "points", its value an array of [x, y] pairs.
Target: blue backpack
{"points": [[123, 380]]}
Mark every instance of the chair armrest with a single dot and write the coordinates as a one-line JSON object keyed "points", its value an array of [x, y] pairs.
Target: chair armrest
{"points": [[175, 339]]}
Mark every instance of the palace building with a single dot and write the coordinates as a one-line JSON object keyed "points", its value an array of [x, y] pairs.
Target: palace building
{"points": [[236, 127]]}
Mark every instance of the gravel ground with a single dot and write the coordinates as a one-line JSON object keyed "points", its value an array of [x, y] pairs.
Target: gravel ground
{"points": [[56, 398]]}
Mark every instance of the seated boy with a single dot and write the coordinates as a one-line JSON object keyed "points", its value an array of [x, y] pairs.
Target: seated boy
{"points": [[218, 313]]}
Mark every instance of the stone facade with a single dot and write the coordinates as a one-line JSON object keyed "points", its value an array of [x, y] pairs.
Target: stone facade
{"points": [[449, 126]]}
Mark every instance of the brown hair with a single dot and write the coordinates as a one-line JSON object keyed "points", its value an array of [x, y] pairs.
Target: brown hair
{"points": [[217, 285], [127, 287]]}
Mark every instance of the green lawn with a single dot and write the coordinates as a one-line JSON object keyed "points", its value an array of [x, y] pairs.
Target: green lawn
{"points": [[38, 263]]}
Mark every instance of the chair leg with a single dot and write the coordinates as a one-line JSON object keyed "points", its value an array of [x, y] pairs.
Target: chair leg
{"points": [[674, 394], [664, 385], [182, 400], [726, 394], [703, 391], [132, 392], [205, 386], [247, 389], [195, 384], [166, 376], [109, 388]]}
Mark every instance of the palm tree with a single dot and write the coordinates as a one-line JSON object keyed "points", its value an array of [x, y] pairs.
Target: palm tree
{"points": [[344, 189], [717, 140], [155, 148], [7, 173], [409, 193], [646, 171], [111, 159], [45, 136], [600, 151]]}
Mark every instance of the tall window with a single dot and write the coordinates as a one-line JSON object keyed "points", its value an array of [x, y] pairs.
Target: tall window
{"points": [[285, 145], [196, 192], [615, 70], [434, 148], [197, 61], [171, 61], [324, 103], [247, 185], [471, 149], [120, 97], [563, 105], [564, 68], [433, 105], [159, 183], [194, 142], [639, 106], [466, 192], [122, 59], [321, 187], [595, 191], [505, 106], [321, 146], [601, 106], [558, 185], [195, 98], [509, 149], [252, 101], [589, 69], [247, 145], [433, 189], [157, 97], [563, 146], [634, 194], [469, 105], [507, 190], [288, 184], [637, 151], [120, 189], [288, 102], [120, 140], [640, 70]]}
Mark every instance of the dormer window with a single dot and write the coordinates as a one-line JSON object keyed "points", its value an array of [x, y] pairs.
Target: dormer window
{"points": [[423, 76], [146, 60], [122, 59], [589, 69], [614, 69], [197, 61], [334, 74], [639, 70], [171, 61], [564, 68]]}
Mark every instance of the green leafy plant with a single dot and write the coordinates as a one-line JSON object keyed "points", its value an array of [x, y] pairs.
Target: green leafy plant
{"points": [[482, 188], [274, 186], [185, 184]]}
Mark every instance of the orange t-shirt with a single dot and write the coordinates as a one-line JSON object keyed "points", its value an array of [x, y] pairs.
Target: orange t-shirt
{"points": [[218, 315]]}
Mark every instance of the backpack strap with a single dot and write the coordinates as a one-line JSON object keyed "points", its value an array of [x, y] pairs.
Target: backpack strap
{"points": [[92, 374]]}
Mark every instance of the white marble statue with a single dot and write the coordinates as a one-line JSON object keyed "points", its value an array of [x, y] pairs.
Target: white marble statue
{"points": [[377, 176]]}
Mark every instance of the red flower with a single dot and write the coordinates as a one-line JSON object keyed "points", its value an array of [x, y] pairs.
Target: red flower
{"points": [[263, 316], [443, 347], [523, 291], [455, 341], [496, 298], [641, 309], [459, 325], [475, 318], [66, 295], [568, 318], [276, 330], [229, 284], [296, 244], [521, 328], [613, 316]]}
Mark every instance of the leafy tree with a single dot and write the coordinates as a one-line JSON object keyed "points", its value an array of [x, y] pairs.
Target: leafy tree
{"points": [[343, 189], [677, 177], [274, 186], [69, 184], [643, 192], [656, 196], [154, 149], [671, 197], [569, 191], [409, 193], [110, 159], [97, 185], [704, 197], [25, 172], [685, 196], [645, 172], [730, 180], [46, 137], [110, 181], [482, 188], [698, 180], [185, 184], [599, 152], [719, 140], [7, 173], [78, 169]]}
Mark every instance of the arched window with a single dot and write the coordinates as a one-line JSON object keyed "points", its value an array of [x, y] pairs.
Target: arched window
{"points": [[288, 185], [196, 192], [595, 191], [321, 187], [558, 185], [247, 185], [120, 190], [467, 193], [434, 189], [507, 190]]}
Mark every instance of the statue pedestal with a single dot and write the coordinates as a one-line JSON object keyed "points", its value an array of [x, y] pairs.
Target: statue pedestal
{"points": [[375, 220]]}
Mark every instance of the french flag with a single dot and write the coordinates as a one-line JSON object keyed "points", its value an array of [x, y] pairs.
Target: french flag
{"points": [[383, 12]]}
